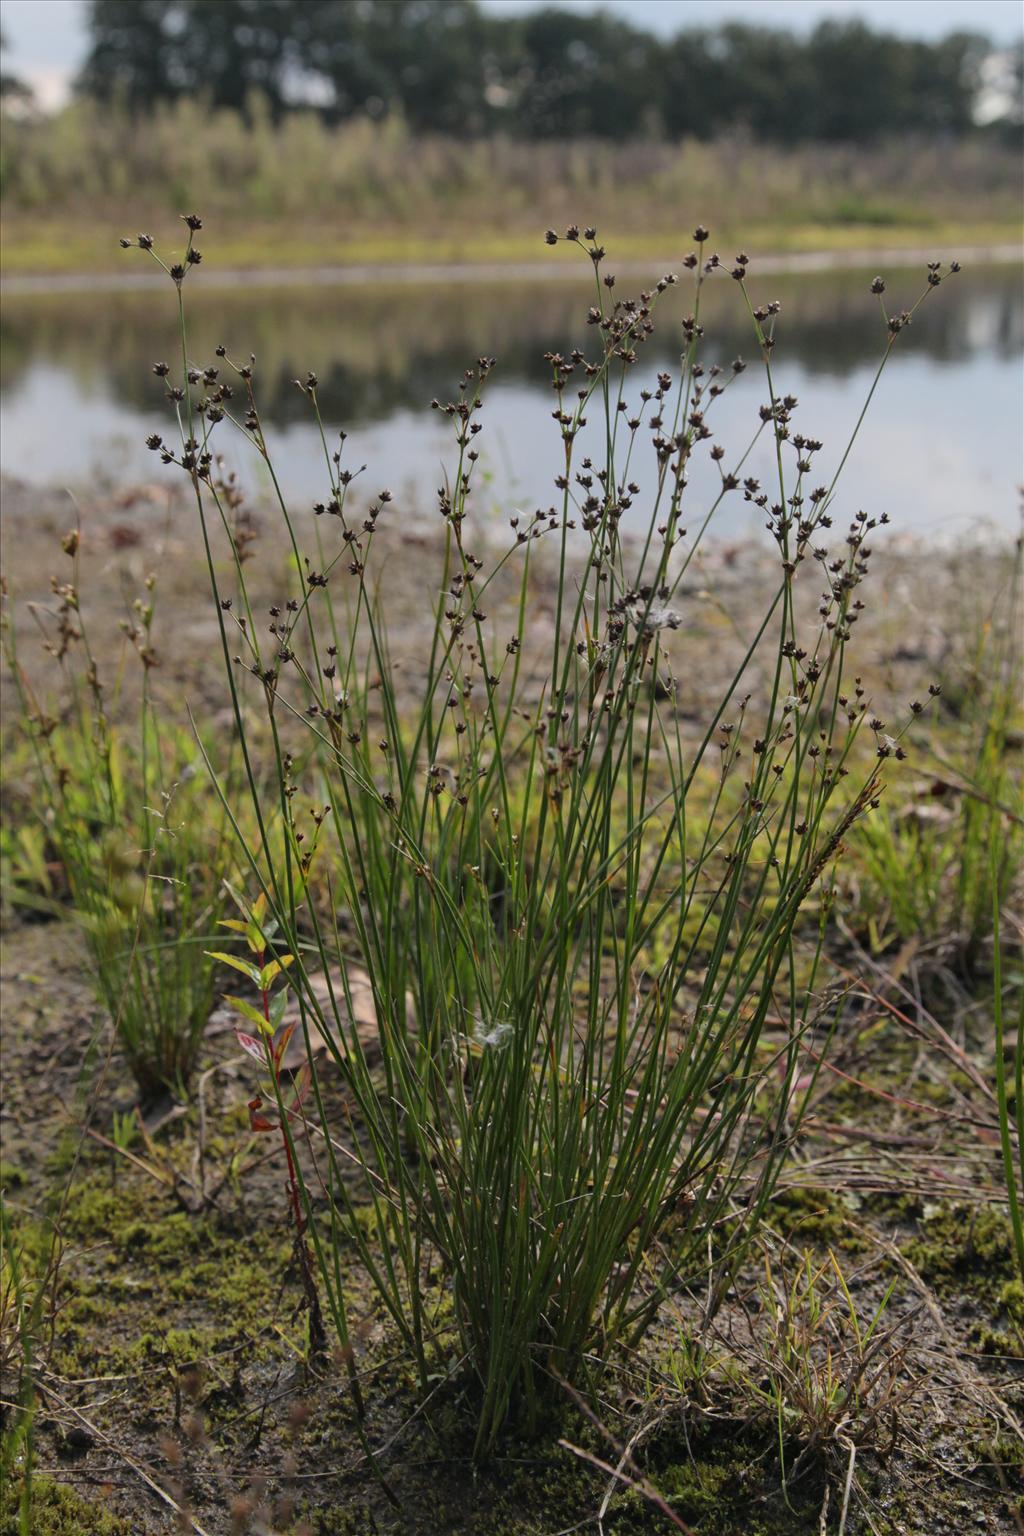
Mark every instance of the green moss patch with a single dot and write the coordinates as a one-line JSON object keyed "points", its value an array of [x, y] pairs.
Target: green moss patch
{"points": [[55, 1510], [965, 1249]]}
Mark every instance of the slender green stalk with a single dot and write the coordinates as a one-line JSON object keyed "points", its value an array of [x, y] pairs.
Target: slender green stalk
{"points": [[1013, 1168]]}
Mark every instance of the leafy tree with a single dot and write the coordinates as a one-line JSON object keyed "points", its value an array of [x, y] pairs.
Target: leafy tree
{"points": [[145, 50], [131, 54], [580, 74], [432, 60], [756, 78], [867, 84], [446, 66], [12, 89]]}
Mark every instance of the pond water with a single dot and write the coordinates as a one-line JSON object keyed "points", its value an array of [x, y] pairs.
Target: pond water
{"points": [[940, 450]]}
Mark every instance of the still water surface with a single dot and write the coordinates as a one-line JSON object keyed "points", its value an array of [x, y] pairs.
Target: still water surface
{"points": [[940, 451]]}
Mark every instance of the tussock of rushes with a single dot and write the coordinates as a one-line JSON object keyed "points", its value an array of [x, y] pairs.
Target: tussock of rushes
{"points": [[576, 912], [136, 831], [926, 868]]}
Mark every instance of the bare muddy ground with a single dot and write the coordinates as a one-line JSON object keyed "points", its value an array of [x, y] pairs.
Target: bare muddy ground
{"points": [[920, 606]]}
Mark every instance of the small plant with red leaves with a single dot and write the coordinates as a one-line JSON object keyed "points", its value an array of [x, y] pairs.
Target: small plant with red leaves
{"points": [[268, 1110]]}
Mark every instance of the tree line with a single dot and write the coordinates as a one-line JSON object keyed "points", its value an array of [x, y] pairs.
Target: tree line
{"points": [[447, 66]]}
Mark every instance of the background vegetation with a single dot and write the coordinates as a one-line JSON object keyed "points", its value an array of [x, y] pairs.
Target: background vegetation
{"points": [[427, 131], [553, 73]]}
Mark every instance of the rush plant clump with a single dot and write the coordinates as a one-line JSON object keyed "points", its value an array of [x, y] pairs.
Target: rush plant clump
{"points": [[576, 910], [120, 798]]}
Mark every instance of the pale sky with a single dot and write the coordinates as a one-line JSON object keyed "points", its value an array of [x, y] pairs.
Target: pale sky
{"points": [[47, 38]]}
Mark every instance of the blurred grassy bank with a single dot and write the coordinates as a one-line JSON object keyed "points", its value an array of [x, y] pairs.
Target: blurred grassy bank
{"points": [[303, 194], [57, 247], [54, 248]]}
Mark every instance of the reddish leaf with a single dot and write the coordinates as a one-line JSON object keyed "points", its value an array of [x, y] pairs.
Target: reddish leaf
{"points": [[303, 1078], [258, 1122], [282, 1045], [251, 1045]]}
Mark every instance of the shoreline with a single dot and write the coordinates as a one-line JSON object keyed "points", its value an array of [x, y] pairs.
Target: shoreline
{"points": [[411, 273], [151, 508]]}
